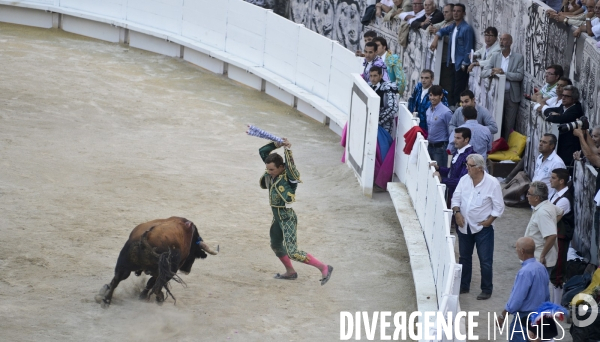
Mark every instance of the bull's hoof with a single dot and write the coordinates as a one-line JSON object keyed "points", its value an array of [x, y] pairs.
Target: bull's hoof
{"points": [[144, 294], [105, 303], [102, 293], [160, 298], [104, 289]]}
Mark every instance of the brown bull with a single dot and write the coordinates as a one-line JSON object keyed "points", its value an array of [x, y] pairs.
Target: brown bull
{"points": [[159, 248]]}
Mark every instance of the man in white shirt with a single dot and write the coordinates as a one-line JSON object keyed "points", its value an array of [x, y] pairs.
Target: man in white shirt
{"points": [[485, 54], [542, 225], [476, 203], [417, 12], [562, 198], [547, 160], [556, 101], [591, 26], [384, 6]]}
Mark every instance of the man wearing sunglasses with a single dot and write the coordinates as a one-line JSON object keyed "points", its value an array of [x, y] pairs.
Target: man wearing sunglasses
{"points": [[569, 111], [554, 101]]}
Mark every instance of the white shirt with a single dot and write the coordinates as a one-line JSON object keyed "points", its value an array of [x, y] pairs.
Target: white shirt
{"points": [[551, 103], [453, 51], [597, 198], [458, 153], [596, 27], [543, 170], [541, 225], [562, 203], [504, 66], [573, 255], [384, 57], [403, 15], [417, 16], [368, 67], [424, 92], [477, 203]]}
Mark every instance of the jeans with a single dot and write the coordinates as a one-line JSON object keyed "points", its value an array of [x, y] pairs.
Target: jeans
{"points": [[438, 154], [484, 240], [520, 329]]}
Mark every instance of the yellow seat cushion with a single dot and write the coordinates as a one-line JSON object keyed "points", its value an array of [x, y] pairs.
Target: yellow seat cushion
{"points": [[516, 147]]}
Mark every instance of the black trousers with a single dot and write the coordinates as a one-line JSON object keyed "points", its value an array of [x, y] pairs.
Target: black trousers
{"points": [[459, 84]]}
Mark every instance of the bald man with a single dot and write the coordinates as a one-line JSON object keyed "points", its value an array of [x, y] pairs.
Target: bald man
{"points": [[510, 64], [529, 291]]}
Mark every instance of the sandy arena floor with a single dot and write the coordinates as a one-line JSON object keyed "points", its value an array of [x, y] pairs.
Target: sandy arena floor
{"points": [[96, 138]]}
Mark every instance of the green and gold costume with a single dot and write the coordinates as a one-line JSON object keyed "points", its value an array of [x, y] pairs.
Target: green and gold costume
{"points": [[282, 193]]}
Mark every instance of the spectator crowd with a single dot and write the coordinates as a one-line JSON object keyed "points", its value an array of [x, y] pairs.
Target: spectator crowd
{"points": [[460, 133]]}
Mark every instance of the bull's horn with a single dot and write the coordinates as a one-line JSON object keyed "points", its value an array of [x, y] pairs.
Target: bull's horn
{"points": [[207, 249]]}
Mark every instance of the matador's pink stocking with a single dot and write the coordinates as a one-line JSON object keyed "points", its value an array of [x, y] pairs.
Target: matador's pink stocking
{"points": [[285, 260], [311, 260]]}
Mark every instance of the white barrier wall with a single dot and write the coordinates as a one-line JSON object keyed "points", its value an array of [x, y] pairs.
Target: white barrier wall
{"points": [[247, 43], [361, 137], [205, 21], [427, 197]]}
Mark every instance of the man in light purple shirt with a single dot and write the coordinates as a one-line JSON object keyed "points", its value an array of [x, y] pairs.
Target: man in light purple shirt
{"points": [[438, 118]]}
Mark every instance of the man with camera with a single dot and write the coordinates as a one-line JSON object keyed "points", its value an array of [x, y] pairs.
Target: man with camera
{"points": [[568, 115], [590, 145]]}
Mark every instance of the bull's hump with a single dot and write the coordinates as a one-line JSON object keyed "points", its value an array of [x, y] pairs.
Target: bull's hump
{"points": [[173, 232]]}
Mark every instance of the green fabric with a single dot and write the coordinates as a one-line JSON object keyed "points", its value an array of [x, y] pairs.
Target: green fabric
{"points": [[283, 234], [282, 191]]}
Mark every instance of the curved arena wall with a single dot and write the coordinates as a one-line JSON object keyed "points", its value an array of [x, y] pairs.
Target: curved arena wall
{"points": [[249, 44]]}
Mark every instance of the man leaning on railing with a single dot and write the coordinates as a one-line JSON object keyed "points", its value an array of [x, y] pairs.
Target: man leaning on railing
{"points": [[511, 64]]}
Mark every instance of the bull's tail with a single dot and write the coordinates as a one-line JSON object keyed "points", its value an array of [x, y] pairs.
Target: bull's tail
{"points": [[167, 270]]}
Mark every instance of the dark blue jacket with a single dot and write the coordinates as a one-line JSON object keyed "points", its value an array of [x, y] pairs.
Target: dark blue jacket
{"points": [[416, 105], [451, 175], [464, 43]]}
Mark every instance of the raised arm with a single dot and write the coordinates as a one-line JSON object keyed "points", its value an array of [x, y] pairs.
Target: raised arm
{"points": [[266, 150], [290, 167]]}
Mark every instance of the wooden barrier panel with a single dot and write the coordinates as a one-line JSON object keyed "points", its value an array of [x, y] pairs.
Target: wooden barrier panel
{"points": [[114, 8], [281, 47], [313, 63], [343, 62], [361, 138], [246, 25], [205, 21], [164, 15]]}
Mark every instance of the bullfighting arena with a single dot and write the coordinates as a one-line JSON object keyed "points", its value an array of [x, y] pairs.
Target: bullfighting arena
{"points": [[96, 138]]}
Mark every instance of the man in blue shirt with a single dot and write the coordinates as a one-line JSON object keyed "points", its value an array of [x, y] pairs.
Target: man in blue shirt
{"points": [[461, 38], [481, 138], [438, 117], [467, 99], [529, 291], [419, 100]]}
